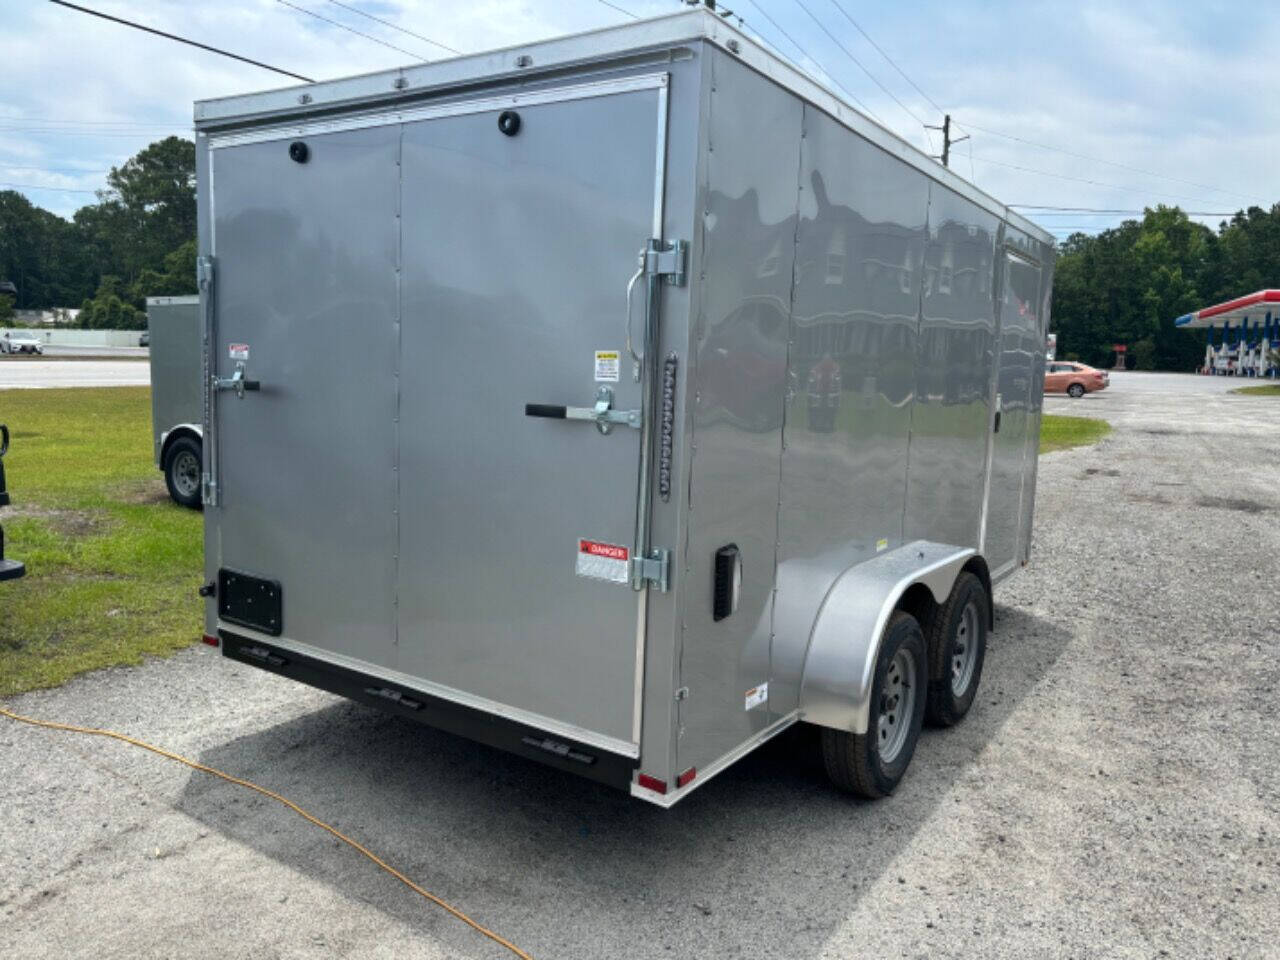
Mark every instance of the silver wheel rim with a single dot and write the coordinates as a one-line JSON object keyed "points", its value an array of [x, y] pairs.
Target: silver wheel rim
{"points": [[186, 473], [964, 652], [897, 706]]}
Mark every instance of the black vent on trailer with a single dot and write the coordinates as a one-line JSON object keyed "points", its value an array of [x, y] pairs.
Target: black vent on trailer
{"points": [[728, 581]]}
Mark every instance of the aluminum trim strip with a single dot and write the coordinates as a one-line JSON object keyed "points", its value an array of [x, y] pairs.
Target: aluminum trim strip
{"points": [[737, 753], [527, 717], [459, 108]]}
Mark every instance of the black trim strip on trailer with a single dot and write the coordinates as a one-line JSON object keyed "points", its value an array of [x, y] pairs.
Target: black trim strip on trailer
{"points": [[526, 741]]}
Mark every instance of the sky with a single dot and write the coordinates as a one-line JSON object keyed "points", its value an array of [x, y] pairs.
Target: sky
{"points": [[1102, 105]]}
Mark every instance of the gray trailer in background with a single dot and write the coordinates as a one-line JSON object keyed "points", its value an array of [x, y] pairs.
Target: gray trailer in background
{"points": [[690, 404], [177, 394]]}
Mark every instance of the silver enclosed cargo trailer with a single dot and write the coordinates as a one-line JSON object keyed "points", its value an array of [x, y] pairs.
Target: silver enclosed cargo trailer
{"points": [[689, 404], [177, 396]]}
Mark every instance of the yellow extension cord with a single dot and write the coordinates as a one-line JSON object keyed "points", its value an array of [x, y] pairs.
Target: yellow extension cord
{"points": [[288, 803]]}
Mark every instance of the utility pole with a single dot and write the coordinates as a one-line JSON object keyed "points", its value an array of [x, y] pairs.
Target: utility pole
{"points": [[946, 139]]}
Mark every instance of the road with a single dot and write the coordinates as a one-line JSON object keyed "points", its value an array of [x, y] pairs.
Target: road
{"points": [[1113, 794], [21, 373]]}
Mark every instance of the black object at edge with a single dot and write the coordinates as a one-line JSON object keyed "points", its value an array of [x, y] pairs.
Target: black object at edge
{"points": [[526, 741]]}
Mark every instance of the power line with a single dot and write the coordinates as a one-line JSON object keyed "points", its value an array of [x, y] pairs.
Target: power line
{"points": [[343, 26], [172, 36], [6, 118], [1111, 210], [388, 23], [32, 186], [1096, 183], [1110, 163], [614, 6], [933, 103], [805, 54], [41, 131], [847, 53], [1043, 146]]}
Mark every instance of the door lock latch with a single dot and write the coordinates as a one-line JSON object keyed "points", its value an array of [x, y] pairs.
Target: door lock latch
{"points": [[236, 382], [602, 414]]}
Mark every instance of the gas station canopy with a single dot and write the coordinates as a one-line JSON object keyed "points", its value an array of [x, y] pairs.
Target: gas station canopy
{"points": [[1255, 306]]}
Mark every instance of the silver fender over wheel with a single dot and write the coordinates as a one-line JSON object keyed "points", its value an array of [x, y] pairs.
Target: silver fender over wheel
{"points": [[839, 666]]}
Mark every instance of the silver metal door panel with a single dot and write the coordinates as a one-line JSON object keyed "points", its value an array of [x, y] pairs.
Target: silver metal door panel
{"points": [[748, 205], [517, 255], [956, 359], [1021, 358], [306, 278], [176, 385], [860, 253]]}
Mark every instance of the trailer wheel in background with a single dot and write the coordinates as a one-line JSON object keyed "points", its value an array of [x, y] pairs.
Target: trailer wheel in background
{"points": [[182, 472], [1076, 391], [957, 649], [871, 764]]}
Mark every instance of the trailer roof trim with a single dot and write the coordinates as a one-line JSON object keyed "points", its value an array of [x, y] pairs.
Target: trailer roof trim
{"points": [[1236, 309], [535, 60]]}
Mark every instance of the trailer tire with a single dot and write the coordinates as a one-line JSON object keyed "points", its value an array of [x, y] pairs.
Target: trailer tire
{"points": [[872, 764], [1075, 391], [957, 649], [182, 469]]}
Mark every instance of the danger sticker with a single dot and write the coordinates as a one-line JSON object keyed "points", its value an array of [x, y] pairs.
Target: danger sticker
{"points": [[756, 696], [608, 362], [238, 351], [603, 561]]}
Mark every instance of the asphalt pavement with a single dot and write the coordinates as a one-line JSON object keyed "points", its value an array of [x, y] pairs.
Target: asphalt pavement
{"points": [[24, 373], [1113, 793]]}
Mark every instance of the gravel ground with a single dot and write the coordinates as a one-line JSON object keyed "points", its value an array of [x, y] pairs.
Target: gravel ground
{"points": [[1114, 793]]}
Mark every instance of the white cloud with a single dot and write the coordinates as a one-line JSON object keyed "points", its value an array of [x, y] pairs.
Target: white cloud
{"points": [[1182, 90]]}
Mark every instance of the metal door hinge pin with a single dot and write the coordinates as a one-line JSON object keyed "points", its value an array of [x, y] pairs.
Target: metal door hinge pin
{"points": [[654, 569], [682, 693], [666, 258]]}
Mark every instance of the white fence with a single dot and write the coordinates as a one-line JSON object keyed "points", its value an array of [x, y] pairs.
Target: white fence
{"points": [[80, 338]]}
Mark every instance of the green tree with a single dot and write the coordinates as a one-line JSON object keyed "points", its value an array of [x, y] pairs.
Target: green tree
{"points": [[6, 308]]}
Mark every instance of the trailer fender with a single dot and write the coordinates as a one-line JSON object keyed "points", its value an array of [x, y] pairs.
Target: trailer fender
{"points": [[839, 664], [193, 430]]}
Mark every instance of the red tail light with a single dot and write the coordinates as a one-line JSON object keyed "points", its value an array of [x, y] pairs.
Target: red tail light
{"points": [[652, 783], [686, 777], [211, 641]]}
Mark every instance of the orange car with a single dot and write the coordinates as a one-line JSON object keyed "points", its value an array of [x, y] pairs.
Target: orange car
{"points": [[1074, 379]]}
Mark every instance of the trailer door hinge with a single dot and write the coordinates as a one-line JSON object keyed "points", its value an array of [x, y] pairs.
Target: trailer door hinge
{"points": [[654, 569], [666, 258], [682, 693]]}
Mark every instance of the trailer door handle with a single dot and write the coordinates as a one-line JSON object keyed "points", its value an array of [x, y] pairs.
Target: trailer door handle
{"points": [[602, 414], [237, 382]]}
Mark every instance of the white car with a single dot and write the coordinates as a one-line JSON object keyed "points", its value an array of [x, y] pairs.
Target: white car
{"points": [[21, 343]]}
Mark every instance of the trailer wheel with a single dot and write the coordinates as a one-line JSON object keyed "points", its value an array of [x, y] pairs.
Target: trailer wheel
{"points": [[1076, 391], [957, 649], [182, 472], [871, 764]]}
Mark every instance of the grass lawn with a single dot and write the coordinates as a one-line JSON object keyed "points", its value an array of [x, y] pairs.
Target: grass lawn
{"points": [[1261, 390], [112, 564], [1062, 433]]}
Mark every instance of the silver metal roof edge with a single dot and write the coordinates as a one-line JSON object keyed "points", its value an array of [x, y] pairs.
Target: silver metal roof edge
{"points": [[604, 43], [522, 60]]}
